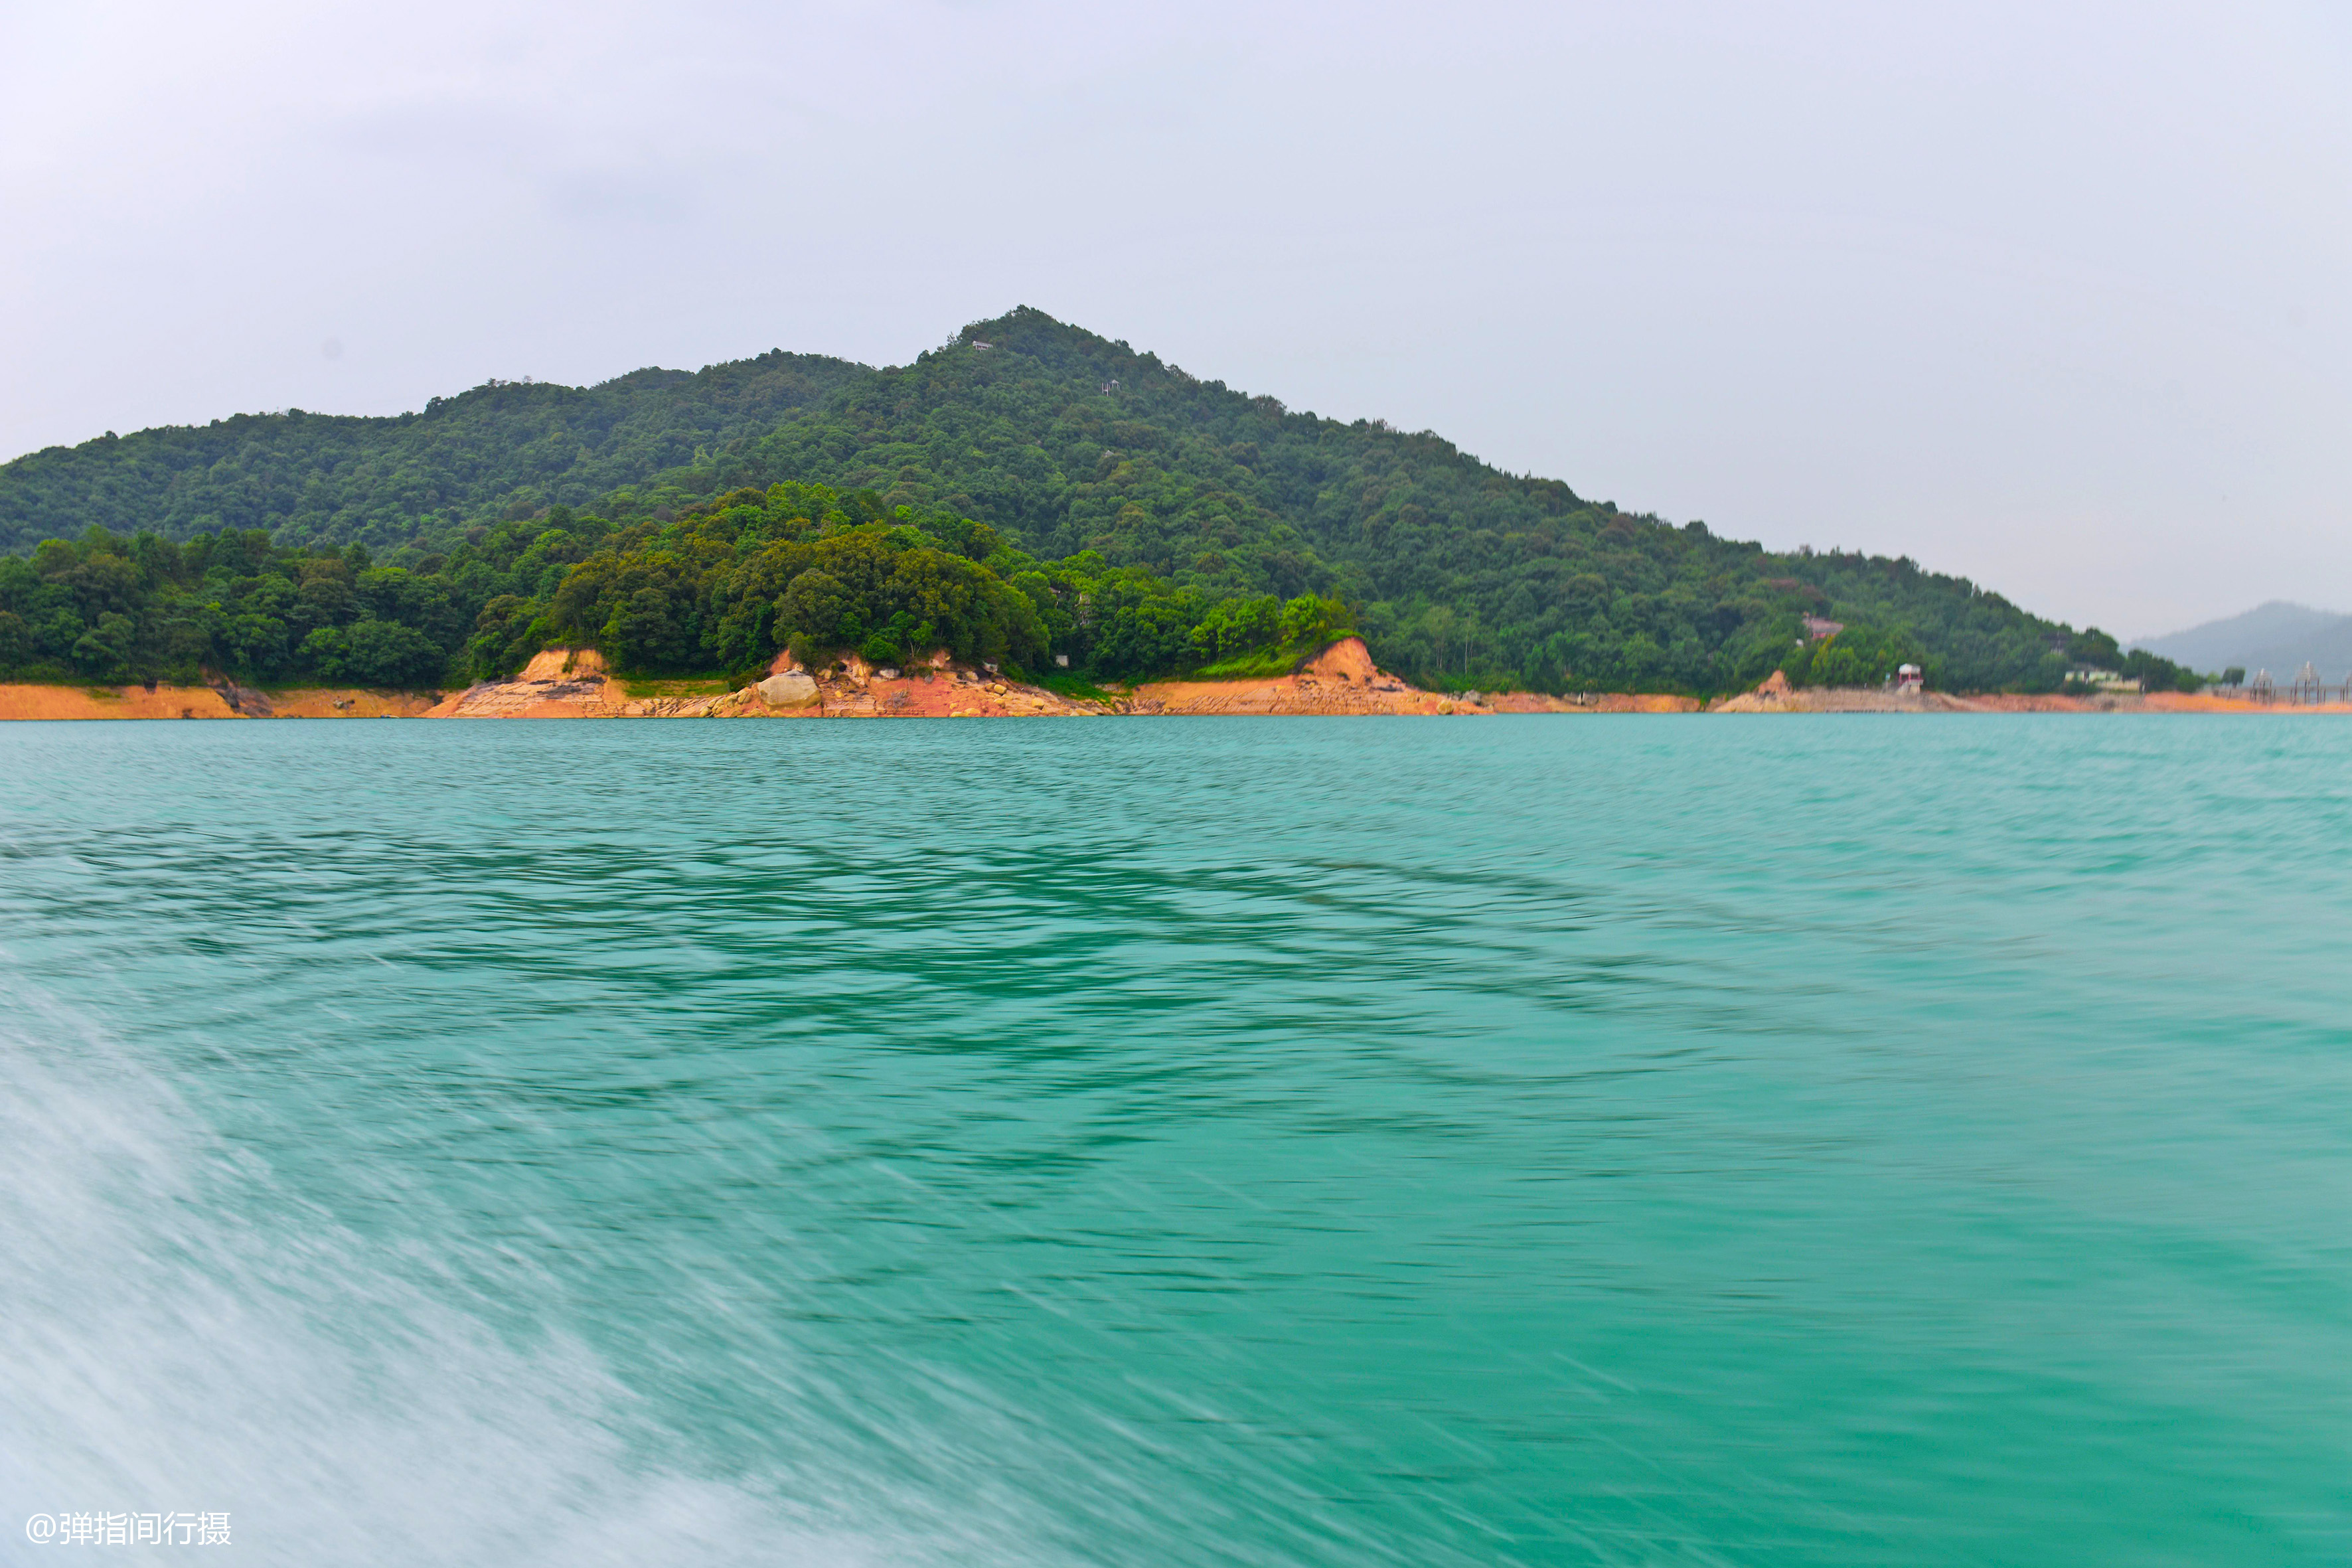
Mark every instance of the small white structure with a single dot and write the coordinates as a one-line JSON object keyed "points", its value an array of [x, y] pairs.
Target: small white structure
{"points": [[1910, 678]]}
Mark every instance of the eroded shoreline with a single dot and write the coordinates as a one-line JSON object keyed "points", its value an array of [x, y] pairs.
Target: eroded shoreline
{"points": [[1342, 681]]}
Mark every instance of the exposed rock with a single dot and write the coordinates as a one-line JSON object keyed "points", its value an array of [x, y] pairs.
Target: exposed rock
{"points": [[557, 683], [556, 664], [793, 688], [242, 699], [1347, 659]]}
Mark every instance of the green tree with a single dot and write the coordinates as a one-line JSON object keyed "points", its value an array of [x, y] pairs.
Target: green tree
{"points": [[816, 603], [105, 649]]}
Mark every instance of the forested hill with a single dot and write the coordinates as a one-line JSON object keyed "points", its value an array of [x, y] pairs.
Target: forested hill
{"points": [[1152, 512], [1462, 574], [503, 448]]}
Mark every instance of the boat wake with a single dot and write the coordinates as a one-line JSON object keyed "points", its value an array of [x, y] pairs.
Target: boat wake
{"points": [[187, 1337]]}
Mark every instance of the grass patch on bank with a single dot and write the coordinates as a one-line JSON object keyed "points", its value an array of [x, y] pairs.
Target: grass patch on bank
{"points": [[1074, 687], [1271, 661]]}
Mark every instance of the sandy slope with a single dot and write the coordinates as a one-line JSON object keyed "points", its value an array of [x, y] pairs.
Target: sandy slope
{"points": [[112, 702], [18, 702], [325, 702], [1343, 679], [1775, 695], [2154, 702]]}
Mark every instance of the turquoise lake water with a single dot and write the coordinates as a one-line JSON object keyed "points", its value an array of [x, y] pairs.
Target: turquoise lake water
{"points": [[1634, 1141]]}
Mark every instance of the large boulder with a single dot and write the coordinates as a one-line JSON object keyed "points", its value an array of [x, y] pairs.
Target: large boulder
{"points": [[793, 688]]}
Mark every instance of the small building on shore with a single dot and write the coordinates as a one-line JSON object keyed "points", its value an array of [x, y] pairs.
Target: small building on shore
{"points": [[2099, 679]]}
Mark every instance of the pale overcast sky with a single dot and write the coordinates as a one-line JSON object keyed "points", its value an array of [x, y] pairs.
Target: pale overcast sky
{"points": [[2058, 295]]}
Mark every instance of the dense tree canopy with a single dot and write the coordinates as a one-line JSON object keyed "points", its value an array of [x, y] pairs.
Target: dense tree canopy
{"points": [[729, 583], [723, 586], [104, 607], [1026, 489], [504, 450]]}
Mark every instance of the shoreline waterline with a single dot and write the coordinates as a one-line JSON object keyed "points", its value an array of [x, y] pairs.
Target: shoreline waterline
{"points": [[23, 702]]}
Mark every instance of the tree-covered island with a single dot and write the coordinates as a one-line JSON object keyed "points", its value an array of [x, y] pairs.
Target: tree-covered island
{"points": [[1028, 494]]}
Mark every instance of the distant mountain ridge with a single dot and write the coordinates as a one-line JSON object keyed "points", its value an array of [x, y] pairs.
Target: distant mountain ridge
{"points": [[2279, 637]]}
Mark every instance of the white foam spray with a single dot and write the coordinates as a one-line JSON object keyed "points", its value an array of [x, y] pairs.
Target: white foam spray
{"points": [[182, 1334]]}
